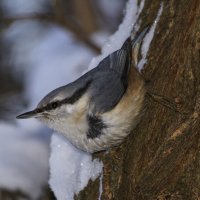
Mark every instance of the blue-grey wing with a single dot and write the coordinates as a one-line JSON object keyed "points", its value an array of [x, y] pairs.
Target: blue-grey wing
{"points": [[119, 61], [110, 79], [105, 92]]}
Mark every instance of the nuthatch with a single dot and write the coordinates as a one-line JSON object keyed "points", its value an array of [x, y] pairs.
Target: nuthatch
{"points": [[99, 109]]}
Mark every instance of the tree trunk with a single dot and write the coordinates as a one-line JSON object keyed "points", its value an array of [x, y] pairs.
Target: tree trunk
{"points": [[161, 158]]}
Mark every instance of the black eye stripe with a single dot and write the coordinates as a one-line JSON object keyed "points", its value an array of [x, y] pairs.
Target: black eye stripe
{"points": [[54, 105], [39, 110], [70, 100], [77, 95]]}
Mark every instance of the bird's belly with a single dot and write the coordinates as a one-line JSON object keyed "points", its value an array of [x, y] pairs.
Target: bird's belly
{"points": [[119, 123], [115, 132]]}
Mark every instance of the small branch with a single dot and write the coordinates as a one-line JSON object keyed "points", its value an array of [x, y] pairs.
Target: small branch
{"points": [[164, 101]]}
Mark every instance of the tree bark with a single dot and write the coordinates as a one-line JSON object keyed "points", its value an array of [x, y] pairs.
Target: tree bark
{"points": [[161, 159]]}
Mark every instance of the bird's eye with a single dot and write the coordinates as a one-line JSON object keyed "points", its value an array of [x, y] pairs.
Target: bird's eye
{"points": [[54, 105], [38, 110]]}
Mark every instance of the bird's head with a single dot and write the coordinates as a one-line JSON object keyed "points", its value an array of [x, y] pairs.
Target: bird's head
{"points": [[60, 106]]}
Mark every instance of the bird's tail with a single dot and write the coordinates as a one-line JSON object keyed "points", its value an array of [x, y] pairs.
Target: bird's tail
{"points": [[136, 43], [138, 38]]}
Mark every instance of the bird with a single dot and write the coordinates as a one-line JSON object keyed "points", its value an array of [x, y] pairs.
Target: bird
{"points": [[100, 109]]}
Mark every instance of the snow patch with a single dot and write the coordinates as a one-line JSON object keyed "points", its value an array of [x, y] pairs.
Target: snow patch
{"points": [[147, 40], [100, 186], [71, 175]]}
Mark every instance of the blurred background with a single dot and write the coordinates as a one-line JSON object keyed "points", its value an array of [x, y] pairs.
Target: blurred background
{"points": [[43, 44]]}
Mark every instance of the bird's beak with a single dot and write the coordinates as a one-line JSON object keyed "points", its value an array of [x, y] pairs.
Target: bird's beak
{"points": [[30, 114]]}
